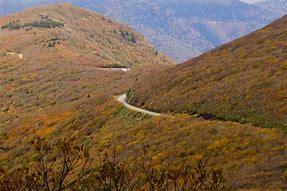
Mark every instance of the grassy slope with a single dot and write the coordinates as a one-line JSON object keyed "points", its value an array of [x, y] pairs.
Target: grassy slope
{"points": [[244, 81], [252, 158], [55, 104], [64, 98], [86, 38], [47, 78]]}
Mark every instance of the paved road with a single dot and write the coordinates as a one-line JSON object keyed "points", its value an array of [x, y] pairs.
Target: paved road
{"points": [[13, 53], [122, 99], [115, 69]]}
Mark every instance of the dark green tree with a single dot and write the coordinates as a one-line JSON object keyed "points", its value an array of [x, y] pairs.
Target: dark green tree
{"points": [[133, 38]]}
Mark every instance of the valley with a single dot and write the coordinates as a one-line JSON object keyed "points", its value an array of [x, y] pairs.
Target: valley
{"points": [[103, 85]]}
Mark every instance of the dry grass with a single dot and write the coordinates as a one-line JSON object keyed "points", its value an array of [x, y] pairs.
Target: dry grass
{"points": [[243, 81], [86, 38], [50, 98]]}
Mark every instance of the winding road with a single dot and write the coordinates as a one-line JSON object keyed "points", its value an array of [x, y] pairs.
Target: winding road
{"points": [[13, 53], [122, 100], [116, 69]]}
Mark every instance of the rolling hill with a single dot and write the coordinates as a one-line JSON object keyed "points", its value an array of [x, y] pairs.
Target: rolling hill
{"points": [[181, 29], [51, 93], [39, 57], [243, 81], [61, 32]]}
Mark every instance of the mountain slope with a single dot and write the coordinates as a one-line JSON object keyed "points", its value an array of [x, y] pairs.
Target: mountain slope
{"points": [[245, 81], [60, 65], [180, 28], [184, 29], [53, 98], [62, 32], [278, 6]]}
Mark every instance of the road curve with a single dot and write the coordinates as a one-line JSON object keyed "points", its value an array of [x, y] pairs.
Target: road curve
{"points": [[115, 69], [122, 100], [13, 53]]}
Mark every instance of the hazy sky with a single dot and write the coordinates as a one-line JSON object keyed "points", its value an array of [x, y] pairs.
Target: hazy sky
{"points": [[251, 1]]}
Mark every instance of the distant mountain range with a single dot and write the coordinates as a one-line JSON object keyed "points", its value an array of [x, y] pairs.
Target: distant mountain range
{"points": [[62, 68], [274, 6], [180, 28]]}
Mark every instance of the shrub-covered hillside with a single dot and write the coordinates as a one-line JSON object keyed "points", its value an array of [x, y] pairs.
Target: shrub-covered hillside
{"points": [[243, 81], [62, 32], [46, 99], [180, 28]]}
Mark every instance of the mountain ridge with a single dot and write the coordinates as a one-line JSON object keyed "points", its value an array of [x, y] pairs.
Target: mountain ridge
{"points": [[182, 29], [45, 97], [74, 40], [51, 55]]}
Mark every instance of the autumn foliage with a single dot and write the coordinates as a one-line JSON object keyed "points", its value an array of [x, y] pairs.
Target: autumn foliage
{"points": [[243, 81], [66, 166], [60, 91]]}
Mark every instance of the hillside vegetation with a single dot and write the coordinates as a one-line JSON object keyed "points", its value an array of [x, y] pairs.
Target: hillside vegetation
{"points": [[62, 32], [243, 81], [181, 29], [250, 158], [44, 101]]}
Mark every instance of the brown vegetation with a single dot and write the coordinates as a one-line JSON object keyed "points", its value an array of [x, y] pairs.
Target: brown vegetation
{"points": [[243, 81], [83, 37], [67, 166], [51, 99]]}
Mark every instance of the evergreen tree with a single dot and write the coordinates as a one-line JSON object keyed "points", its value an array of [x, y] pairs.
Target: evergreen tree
{"points": [[133, 38]]}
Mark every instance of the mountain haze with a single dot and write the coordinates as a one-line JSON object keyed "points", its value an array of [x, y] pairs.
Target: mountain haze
{"points": [[82, 37], [182, 29], [274, 6], [60, 83]]}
